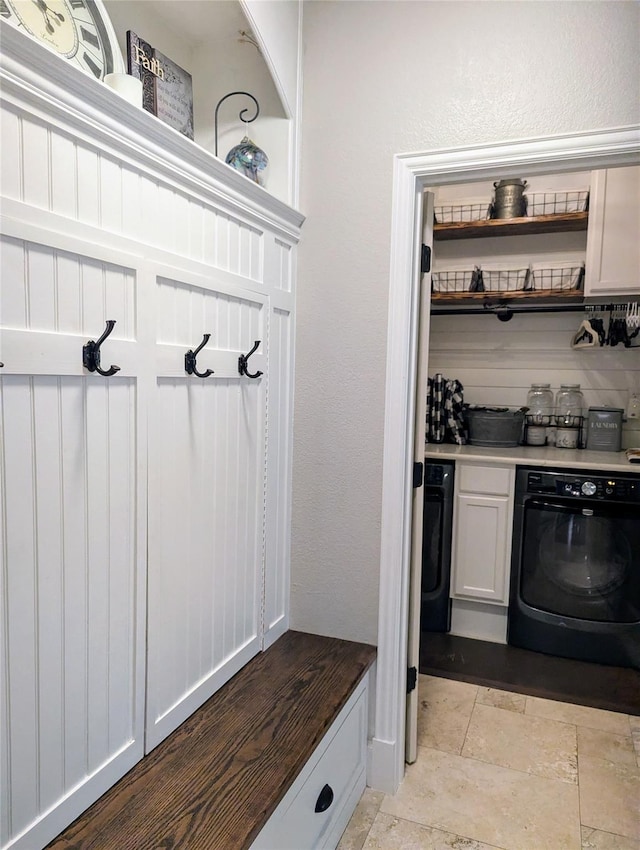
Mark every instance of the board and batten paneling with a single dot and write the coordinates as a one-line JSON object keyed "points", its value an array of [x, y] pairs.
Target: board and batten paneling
{"points": [[109, 214], [206, 515], [497, 362], [280, 417], [279, 280], [72, 537], [91, 185]]}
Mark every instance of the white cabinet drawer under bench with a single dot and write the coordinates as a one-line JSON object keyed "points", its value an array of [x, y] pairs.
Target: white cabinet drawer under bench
{"points": [[317, 807]]}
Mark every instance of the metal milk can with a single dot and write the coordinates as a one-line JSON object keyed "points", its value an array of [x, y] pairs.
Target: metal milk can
{"points": [[510, 201]]}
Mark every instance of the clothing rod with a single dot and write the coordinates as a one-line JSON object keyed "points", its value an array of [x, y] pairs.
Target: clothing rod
{"points": [[605, 308], [498, 308], [503, 310]]}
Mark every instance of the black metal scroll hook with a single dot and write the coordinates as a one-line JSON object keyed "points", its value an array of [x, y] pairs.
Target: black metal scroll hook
{"points": [[241, 116], [91, 353], [243, 362], [190, 360]]}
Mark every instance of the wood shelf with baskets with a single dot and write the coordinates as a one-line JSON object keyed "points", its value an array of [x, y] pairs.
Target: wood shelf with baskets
{"points": [[529, 225], [492, 297], [511, 276]]}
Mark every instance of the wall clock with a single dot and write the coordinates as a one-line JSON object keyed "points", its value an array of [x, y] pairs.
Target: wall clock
{"points": [[78, 30]]}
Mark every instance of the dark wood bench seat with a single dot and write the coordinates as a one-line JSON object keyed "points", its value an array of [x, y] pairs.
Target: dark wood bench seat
{"points": [[215, 781]]}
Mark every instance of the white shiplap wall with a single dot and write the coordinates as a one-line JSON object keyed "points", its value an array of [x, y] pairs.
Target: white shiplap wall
{"points": [[498, 361]]}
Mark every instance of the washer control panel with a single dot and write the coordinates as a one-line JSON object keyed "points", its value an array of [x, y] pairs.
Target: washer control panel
{"points": [[601, 487]]}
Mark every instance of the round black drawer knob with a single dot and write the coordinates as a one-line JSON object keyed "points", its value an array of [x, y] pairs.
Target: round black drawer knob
{"points": [[325, 798]]}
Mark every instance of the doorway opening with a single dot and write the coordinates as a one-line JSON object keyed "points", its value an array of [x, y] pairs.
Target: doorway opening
{"points": [[412, 173]]}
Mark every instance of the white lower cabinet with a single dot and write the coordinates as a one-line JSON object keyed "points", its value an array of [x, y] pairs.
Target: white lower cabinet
{"points": [[315, 811], [483, 515]]}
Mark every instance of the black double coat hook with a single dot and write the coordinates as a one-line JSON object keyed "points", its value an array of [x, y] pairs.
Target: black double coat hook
{"points": [[91, 353], [190, 360], [243, 362]]}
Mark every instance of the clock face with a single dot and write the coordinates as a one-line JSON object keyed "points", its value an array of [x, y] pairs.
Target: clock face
{"points": [[79, 30]]}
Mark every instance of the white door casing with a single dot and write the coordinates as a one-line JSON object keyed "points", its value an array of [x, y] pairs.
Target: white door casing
{"points": [[573, 152]]}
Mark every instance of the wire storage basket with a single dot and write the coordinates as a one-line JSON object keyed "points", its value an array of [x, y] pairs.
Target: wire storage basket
{"points": [[501, 277], [557, 202], [475, 209], [560, 276], [456, 279]]}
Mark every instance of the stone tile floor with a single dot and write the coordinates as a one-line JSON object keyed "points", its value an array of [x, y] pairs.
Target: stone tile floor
{"points": [[504, 771]]}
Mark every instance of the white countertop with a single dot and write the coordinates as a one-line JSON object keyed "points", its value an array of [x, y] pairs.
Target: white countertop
{"points": [[546, 456]]}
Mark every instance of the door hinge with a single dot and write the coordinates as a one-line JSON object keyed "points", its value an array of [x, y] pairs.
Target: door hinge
{"points": [[412, 679], [425, 265], [418, 474]]}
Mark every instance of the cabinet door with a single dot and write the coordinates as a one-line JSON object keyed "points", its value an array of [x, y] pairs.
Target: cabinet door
{"points": [[481, 547], [206, 493], [613, 247], [73, 536]]}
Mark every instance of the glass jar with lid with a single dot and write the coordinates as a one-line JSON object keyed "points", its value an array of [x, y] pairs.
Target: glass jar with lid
{"points": [[569, 405], [539, 414]]}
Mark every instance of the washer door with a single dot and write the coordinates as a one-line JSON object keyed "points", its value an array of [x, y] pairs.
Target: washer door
{"points": [[581, 560], [582, 554]]}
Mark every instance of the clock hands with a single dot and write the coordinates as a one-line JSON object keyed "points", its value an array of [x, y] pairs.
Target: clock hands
{"points": [[45, 14], [46, 11], [42, 5]]}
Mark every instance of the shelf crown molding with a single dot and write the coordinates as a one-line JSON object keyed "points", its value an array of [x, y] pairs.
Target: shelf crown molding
{"points": [[35, 79]]}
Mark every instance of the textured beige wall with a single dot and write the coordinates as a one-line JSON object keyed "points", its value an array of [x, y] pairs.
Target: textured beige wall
{"points": [[382, 78]]}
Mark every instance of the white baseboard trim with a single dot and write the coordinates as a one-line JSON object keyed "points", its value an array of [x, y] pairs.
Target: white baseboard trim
{"points": [[382, 770], [479, 621]]}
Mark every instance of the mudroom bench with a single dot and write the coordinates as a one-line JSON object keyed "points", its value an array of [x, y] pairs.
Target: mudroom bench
{"points": [[274, 760]]}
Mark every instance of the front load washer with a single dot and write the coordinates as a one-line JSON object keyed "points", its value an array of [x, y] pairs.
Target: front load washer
{"points": [[575, 567]]}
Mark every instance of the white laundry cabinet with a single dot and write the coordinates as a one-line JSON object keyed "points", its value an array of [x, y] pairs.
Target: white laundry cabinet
{"points": [[145, 513], [613, 252], [482, 532]]}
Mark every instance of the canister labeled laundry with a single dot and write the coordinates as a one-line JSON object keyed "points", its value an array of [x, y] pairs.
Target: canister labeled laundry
{"points": [[604, 429]]}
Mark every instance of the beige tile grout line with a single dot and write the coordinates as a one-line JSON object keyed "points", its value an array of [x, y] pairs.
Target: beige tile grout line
{"points": [[578, 779], [527, 698], [466, 731]]}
